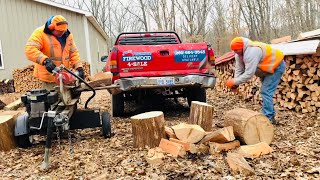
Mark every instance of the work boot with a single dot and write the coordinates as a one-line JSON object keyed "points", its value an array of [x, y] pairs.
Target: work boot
{"points": [[273, 121]]}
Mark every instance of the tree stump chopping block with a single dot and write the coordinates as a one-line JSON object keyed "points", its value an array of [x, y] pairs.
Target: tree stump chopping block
{"points": [[201, 114], [7, 140], [148, 129], [249, 126]]}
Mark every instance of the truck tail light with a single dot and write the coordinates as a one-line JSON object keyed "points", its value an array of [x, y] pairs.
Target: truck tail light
{"points": [[211, 56], [113, 63]]}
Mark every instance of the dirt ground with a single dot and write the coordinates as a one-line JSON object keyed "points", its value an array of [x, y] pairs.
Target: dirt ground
{"points": [[296, 149]]}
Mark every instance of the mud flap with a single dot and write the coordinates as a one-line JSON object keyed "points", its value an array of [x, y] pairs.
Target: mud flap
{"points": [[85, 118]]}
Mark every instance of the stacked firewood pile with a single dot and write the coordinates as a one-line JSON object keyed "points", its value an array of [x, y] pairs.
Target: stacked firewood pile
{"points": [[86, 69], [24, 79], [299, 88], [6, 86], [149, 130], [249, 91]]}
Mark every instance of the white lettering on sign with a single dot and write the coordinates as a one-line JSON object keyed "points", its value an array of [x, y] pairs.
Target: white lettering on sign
{"points": [[189, 52], [136, 58], [137, 64]]}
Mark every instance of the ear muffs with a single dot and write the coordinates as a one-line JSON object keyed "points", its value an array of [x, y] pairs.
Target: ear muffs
{"points": [[51, 26]]}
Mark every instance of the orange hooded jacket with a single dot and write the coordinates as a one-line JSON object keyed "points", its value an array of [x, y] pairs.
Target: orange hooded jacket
{"points": [[42, 44]]}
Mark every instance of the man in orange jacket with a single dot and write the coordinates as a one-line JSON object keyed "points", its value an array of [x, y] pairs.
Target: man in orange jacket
{"points": [[256, 58], [52, 45]]}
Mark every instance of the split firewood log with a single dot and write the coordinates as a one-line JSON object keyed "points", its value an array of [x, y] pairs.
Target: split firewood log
{"points": [[255, 150], [175, 149], [239, 165], [218, 147], [187, 146], [222, 135], [188, 132]]}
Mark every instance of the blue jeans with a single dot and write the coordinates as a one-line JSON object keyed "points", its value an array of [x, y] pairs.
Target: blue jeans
{"points": [[268, 88]]}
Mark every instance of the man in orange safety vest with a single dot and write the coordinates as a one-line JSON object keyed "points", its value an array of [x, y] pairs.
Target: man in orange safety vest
{"points": [[52, 45], [256, 58]]}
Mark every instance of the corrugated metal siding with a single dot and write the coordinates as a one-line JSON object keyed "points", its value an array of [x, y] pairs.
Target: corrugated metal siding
{"points": [[98, 48], [300, 47], [18, 19]]}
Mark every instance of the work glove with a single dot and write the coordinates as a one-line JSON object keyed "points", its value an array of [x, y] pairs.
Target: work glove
{"points": [[230, 84], [48, 63], [80, 72], [234, 88]]}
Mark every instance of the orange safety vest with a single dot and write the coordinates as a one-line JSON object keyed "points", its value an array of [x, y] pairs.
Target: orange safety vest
{"points": [[41, 46], [271, 57]]}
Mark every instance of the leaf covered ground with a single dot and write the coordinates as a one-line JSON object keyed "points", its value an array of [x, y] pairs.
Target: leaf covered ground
{"points": [[296, 149]]}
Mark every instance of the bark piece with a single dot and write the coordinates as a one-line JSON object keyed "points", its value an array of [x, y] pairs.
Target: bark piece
{"points": [[170, 132], [187, 146], [201, 114], [148, 129], [7, 140], [188, 132], [222, 135], [249, 126], [255, 150], [175, 149], [217, 147], [239, 165]]}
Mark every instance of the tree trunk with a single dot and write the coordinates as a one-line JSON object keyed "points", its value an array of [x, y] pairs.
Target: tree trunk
{"points": [[148, 129], [7, 141], [249, 126], [201, 114]]}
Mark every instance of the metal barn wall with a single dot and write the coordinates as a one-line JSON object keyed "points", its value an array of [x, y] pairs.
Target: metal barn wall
{"points": [[18, 19], [98, 48]]}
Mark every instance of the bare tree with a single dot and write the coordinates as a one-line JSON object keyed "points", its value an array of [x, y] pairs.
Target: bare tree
{"points": [[194, 13], [163, 14], [259, 20]]}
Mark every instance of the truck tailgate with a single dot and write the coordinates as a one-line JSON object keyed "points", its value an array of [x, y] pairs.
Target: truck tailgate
{"points": [[155, 60]]}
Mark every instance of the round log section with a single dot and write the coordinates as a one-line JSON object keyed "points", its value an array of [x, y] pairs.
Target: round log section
{"points": [[249, 127], [201, 114], [7, 140], [148, 129]]}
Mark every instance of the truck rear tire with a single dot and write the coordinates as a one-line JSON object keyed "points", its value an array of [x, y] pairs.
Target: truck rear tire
{"points": [[106, 125], [196, 94], [117, 105]]}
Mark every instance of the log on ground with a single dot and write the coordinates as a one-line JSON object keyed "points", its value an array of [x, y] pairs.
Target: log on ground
{"points": [[148, 129], [201, 114], [7, 140], [249, 126]]}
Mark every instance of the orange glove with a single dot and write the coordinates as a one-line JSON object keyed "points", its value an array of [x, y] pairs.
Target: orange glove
{"points": [[230, 83]]}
